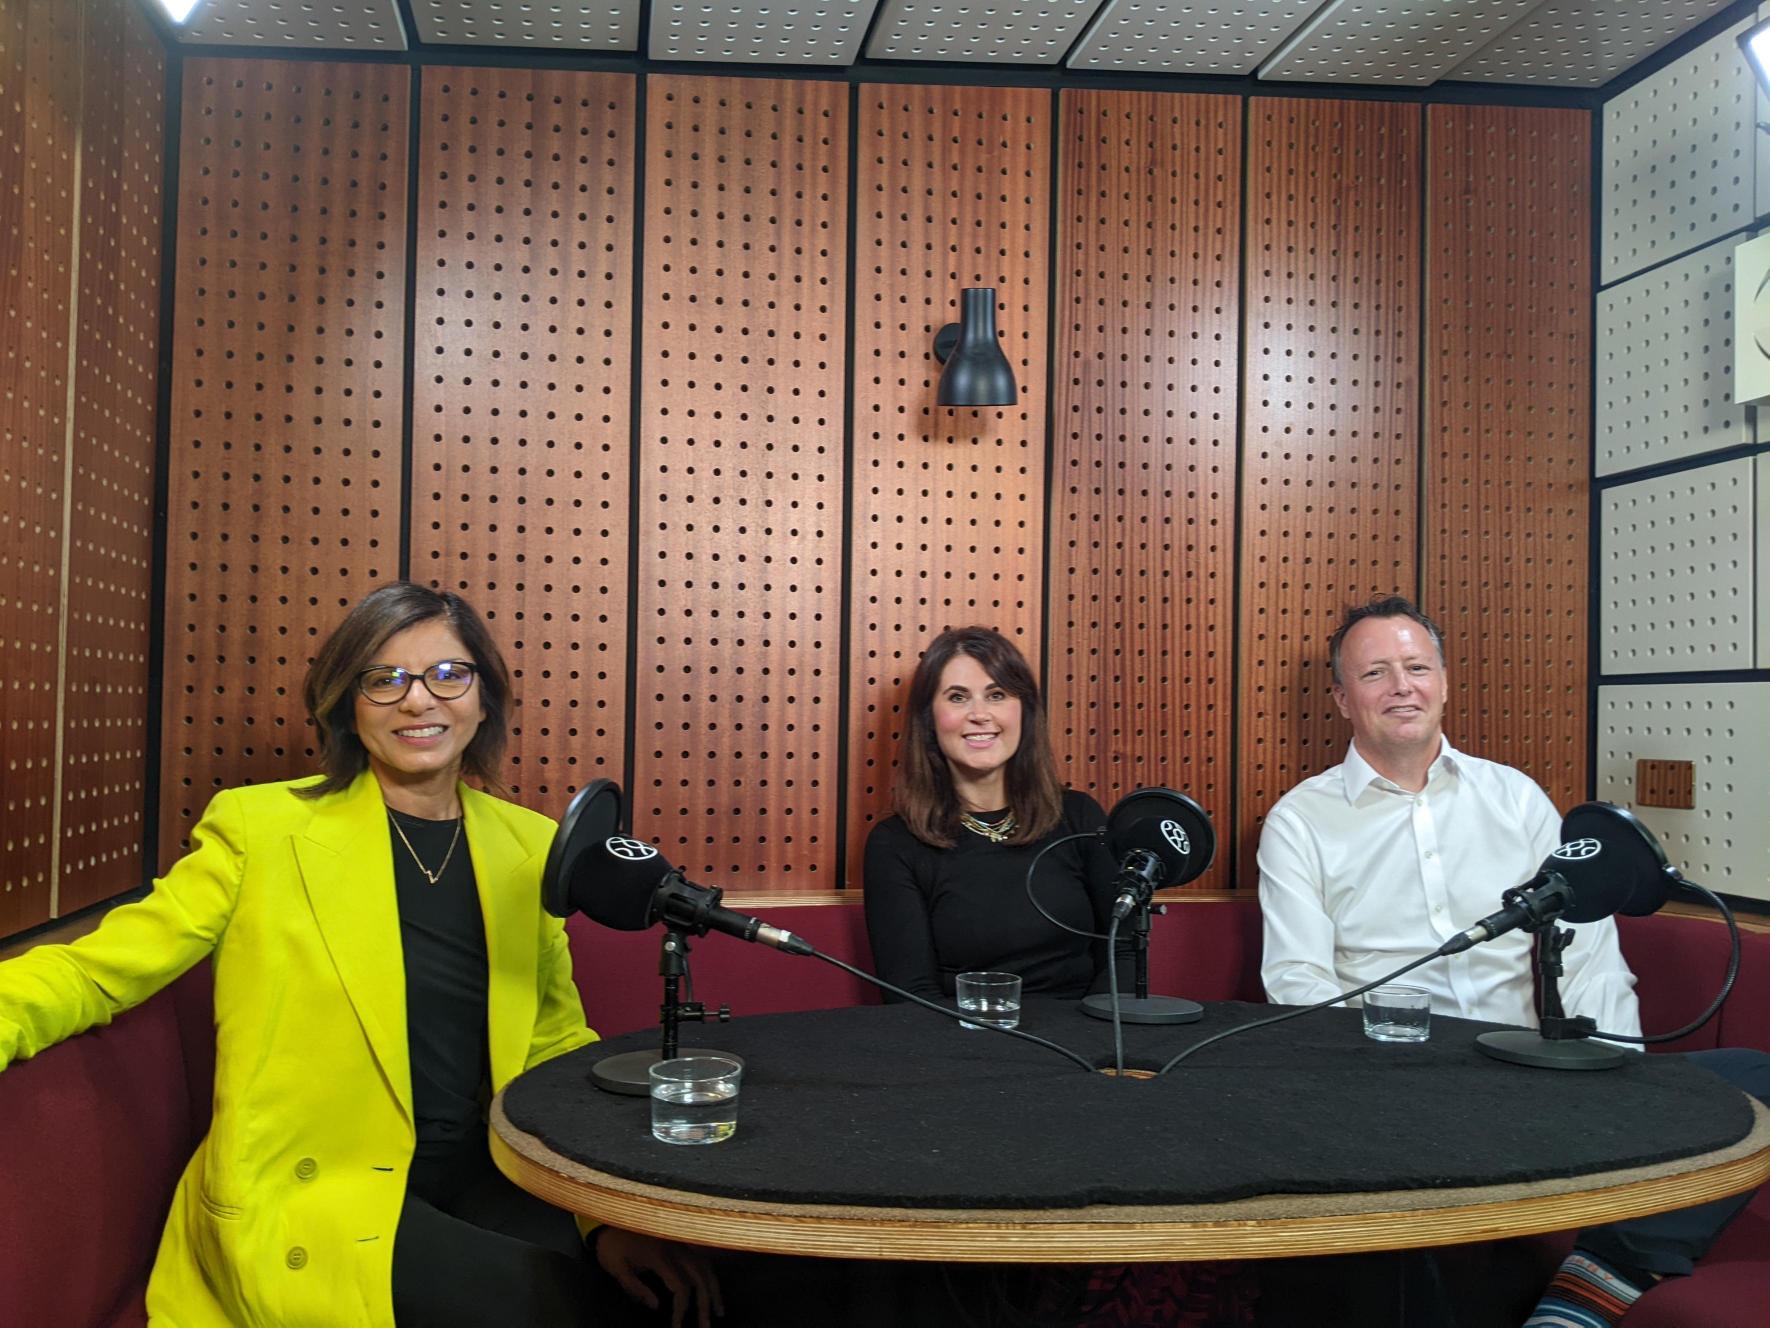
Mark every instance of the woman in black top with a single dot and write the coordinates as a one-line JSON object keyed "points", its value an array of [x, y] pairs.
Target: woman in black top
{"points": [[977, 797]]}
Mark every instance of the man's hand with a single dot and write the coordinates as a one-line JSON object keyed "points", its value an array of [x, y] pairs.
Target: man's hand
{"points": [[684, 1270]]}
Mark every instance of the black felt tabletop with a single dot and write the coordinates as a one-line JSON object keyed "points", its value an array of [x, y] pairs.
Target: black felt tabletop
{"points": [[896, 1106]]}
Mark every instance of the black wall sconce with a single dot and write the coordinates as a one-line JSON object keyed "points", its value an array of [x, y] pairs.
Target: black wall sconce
{"points": [[976, 373]]}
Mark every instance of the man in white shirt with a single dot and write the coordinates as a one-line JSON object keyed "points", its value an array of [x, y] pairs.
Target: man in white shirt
{"points": [[1407, 842]]}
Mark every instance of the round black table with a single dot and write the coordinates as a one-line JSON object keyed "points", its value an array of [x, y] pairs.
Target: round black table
{"points": [[892, 1133]]}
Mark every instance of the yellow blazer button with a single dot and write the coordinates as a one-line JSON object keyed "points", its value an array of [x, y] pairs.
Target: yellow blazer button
{"points": [[306, 1168], [296, 1258]]}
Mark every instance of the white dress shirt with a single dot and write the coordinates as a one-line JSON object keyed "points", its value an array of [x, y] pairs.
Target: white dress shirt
{"points": [[1358, 876]]}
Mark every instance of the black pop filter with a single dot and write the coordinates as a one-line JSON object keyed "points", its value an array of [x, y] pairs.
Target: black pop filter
{"points": [[594, 815], [1613, 863], [1168, 824]]}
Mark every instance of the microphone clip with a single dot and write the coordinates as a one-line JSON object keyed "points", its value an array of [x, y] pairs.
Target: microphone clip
{"points": [[1540, 903]]}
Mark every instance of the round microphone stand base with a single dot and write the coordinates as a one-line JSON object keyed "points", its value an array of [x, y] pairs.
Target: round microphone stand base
{"points": [[1522, 1047], [1144, 1009], [630, 1072]]}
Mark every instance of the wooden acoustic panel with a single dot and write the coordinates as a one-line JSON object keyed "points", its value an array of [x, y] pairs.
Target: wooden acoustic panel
{"points": [[1508, 299], [1141, 590], [111, 512], [521, 420], [1329, 491], [740, 510], [947, 527], [39, 135], [283, 504]]}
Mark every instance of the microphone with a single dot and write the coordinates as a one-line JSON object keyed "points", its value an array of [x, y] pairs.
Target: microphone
{"points": [[1161, 838], [1532, 906]]}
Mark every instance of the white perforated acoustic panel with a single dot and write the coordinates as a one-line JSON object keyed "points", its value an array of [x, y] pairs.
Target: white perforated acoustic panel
{"points": [[1582, 43], [809, 32], [1679, 157], [1763, 573], [591, 25], [1391, 41], [1186, 38], [1031, 32], [1724, 842], [1665, 364], [1676, 555], [311, 24]]}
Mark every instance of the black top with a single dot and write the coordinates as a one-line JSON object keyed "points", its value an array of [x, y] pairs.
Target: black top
{"points": [[933, 913], [443, 936]]}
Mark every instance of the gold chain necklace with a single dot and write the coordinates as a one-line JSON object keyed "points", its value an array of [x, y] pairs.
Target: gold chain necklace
{"points": [[998, 833], [432, 876]]}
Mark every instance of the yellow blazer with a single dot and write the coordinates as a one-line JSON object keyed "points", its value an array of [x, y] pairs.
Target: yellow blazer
{"points": [[286, 1214]]}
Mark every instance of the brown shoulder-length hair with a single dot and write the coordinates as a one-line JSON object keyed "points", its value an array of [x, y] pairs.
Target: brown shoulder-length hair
{"points": [[923, 791], [330, 689]]}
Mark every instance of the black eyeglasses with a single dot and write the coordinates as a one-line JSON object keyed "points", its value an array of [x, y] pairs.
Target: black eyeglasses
{"points": [[446, 680]]}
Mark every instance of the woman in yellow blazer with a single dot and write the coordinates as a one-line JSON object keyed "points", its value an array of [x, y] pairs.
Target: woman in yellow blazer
{"points": [[352, 919]]}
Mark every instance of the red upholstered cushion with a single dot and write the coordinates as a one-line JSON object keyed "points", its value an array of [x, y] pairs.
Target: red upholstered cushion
{"points": [[1207, 950], [1745, 1019], [1729, 1288], [1679, 963]]}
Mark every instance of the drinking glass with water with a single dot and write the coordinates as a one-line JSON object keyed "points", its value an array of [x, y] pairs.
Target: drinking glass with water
{"points": [[694, 1099], [989, 998]]}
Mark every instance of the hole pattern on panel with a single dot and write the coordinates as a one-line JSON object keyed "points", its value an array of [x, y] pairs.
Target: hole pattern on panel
{"points": [[110, 549], [605, 25], [1390, 41], [1582, 43], [283, 504], [1227, 37], [821, 33], [1037, 33], [309, 24], [39, 84], [1677, 560], [953, 190], [520, 404], [1679, 154], [740, 507], [1142, 561], [1724, 842], [1665, 364], [1331, 387], [1508, 358]]}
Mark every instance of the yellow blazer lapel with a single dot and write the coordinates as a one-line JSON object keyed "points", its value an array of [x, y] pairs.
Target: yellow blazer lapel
{"points": [[510, 903], [346, 859]]}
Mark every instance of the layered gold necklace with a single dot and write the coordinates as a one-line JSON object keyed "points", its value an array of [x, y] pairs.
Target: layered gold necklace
{"points": [[999, 833], [432, 876]]}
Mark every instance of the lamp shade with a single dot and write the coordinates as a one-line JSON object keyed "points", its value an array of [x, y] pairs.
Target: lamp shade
{"points": [[1755, 42], [977, 373]]}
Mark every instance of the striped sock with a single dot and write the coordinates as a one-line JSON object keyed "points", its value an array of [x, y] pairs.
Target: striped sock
{"points": [[1584, 1293]]}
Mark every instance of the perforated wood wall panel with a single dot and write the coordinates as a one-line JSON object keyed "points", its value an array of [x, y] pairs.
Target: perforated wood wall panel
{"points": [[283, 503], [110, 515], [39, 103], [1331, 392], [521, 417], [1665, 363], [1141, 591], [953, 190], [1677, 572], [1508, 356], [1724, 841], [740, 511]]}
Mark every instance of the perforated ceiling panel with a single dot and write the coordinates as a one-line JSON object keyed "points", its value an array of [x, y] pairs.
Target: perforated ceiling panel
{"points": [[285, 433], [1665, 364], [824, 32], [1391, 41], [953, 190], [596, 25], [740, 512], [1508, 379], [1226, 38], [1677, 571], [521, 382], [39, 85], [1724, 842], [1679, 155], [1331, 390], [1582, 43], [1141, 595], [337, 24], [111, 513], [1032, 32]]}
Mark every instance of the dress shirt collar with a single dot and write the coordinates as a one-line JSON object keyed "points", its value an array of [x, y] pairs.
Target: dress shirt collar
{"points": [[1359, 774]]}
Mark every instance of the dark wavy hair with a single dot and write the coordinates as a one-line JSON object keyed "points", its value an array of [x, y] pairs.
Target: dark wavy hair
{"points": [[923, 791], [1383, 606], [330, 690]]}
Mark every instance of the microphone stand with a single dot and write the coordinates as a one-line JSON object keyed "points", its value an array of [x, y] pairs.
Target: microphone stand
{"points": [[629, 1073], [1563, 1043], [1142, 1008]]}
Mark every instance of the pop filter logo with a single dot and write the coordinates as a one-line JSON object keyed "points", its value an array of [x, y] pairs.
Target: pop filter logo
{"points": [[1578, 850], [1176, 836], [629, 850]]}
